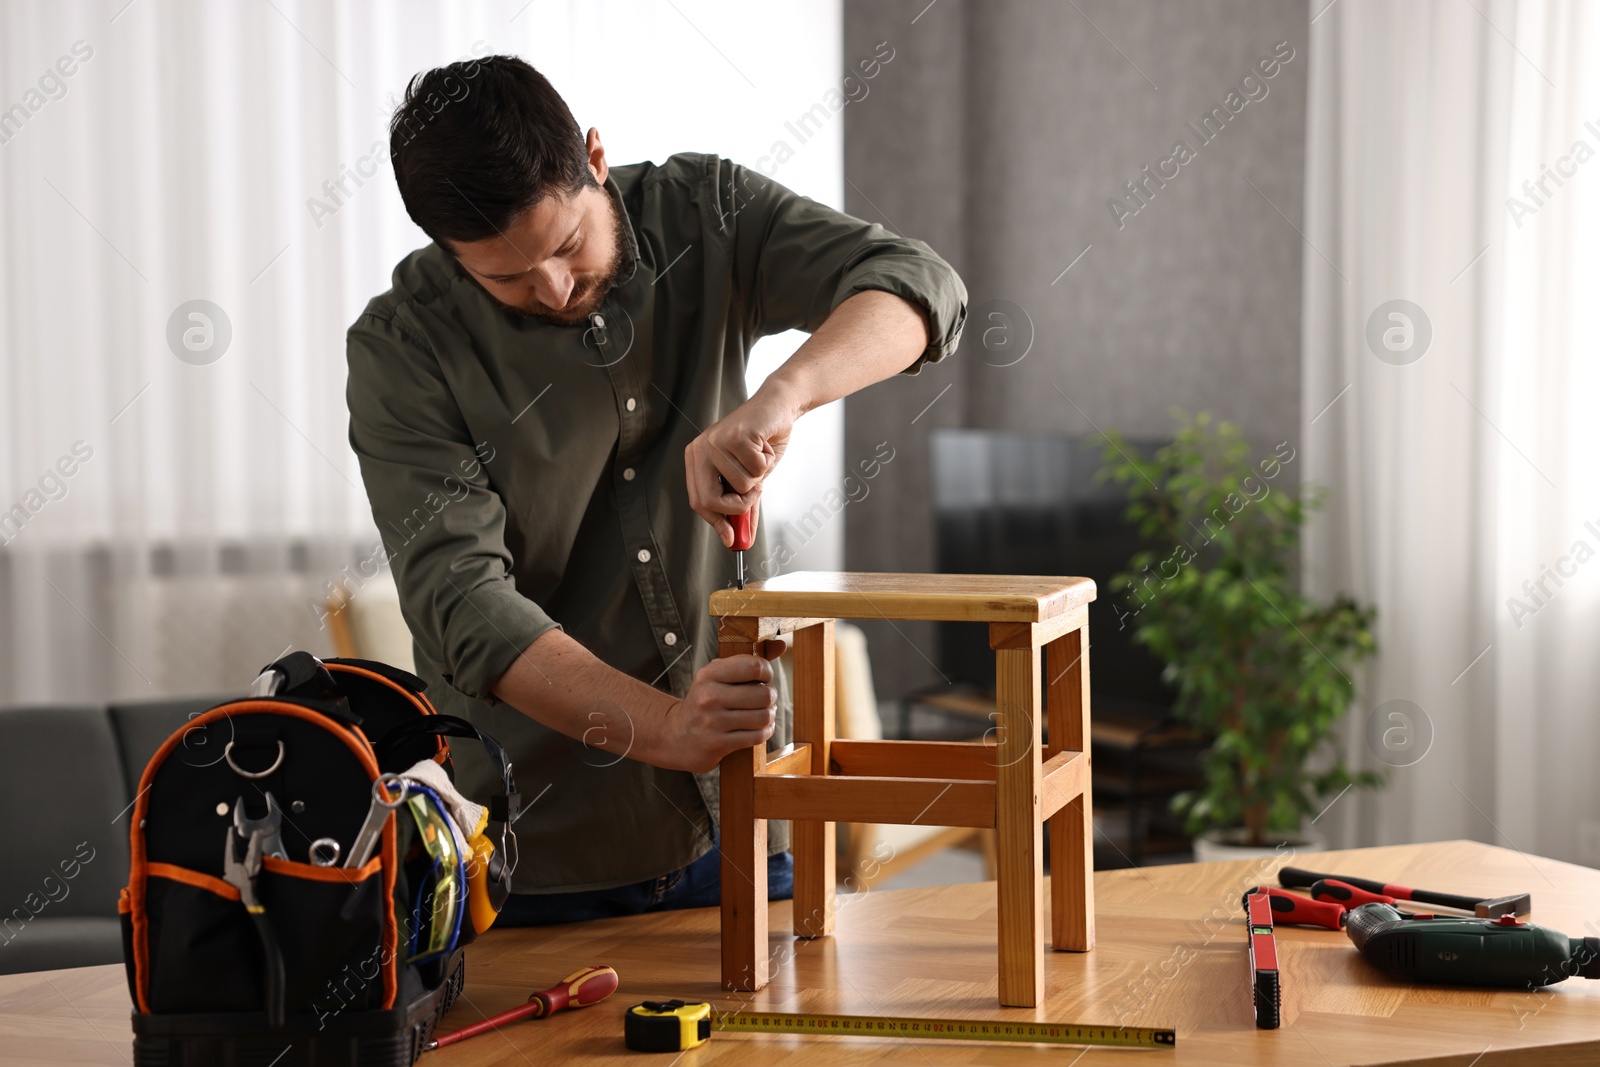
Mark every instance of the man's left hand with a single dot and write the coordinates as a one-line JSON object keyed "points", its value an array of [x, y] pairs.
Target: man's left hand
{"points": [[727, 464], [867, 338]]}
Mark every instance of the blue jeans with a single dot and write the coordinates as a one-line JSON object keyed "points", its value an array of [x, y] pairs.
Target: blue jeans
{"points": [[698, 885]]}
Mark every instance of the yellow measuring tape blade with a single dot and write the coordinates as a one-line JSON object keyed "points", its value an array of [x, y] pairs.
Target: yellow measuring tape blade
{"points": [[769, 1022]]}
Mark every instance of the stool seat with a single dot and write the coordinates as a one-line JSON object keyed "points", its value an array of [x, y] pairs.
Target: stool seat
{"points": [[1012, 783], [940, 597]]}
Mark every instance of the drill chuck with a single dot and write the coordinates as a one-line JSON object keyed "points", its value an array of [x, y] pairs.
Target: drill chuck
{"points": [[1586, 956]]}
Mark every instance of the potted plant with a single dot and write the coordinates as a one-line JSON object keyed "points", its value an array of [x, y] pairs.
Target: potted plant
{"points": [[1256, 664]]}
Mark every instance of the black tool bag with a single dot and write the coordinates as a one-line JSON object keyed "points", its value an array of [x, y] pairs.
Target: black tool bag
{"points": [[301, 963]]}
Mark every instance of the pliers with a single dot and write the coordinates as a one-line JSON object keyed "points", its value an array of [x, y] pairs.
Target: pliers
{"points": [[241, 874]]}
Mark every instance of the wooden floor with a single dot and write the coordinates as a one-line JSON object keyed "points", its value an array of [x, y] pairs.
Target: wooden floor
{"points": [[1170, 953]]}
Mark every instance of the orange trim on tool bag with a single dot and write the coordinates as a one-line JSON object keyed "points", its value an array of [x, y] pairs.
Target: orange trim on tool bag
{"points": [[140, 867], [443, 756], [124, 905], [423, 704], [199, 879], [311, 872], [426, 709]]}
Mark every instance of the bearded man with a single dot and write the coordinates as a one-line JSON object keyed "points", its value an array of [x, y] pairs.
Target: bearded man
{"points": [[550, 412]]}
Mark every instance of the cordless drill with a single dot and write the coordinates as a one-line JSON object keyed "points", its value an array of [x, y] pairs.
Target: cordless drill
{"points": [[1504, 952]]}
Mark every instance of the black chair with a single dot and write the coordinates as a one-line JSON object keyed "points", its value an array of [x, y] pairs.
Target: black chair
{"points": [[69, 796], [143, 727]]}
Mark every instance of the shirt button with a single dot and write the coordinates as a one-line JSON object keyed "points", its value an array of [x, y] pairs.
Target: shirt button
{"points": [[627, 474], [669, 640], [631, 404], [644, 555]]}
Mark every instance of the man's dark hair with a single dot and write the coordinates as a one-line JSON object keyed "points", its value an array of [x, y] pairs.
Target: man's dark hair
{"points": [[477, 143]]}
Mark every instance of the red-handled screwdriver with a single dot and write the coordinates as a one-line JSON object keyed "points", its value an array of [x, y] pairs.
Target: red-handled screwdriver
{"points": [[1291, 909], [744, 536], [577, 990]]}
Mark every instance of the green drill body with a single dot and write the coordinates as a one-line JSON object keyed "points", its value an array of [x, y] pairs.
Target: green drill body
{"points": [[1504, 952]]}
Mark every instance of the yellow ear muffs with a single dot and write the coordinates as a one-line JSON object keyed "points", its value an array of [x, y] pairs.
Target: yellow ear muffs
{"points": [[482, 909]]}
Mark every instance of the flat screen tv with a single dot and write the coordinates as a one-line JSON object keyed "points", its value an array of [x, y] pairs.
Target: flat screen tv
{"points": [[1025, 503]]}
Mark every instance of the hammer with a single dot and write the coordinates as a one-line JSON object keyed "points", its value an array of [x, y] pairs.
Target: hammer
{"points": [[1492, 908]]}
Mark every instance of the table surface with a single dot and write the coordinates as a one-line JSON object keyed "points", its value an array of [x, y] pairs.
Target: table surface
{"points": [[1171, 953]]}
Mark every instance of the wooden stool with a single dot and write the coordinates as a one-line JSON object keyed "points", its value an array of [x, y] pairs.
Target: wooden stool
{"points": [[1010, 785]]}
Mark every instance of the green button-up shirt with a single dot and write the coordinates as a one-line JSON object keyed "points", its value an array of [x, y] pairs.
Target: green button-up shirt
{"points": [[525, 476]]}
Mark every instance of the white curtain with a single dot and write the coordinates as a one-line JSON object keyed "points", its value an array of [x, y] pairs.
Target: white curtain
{"points": [[1454, 164], [171, 511]]}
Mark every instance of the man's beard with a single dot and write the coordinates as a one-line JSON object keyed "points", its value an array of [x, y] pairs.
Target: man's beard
{"points": [[587, 293]]}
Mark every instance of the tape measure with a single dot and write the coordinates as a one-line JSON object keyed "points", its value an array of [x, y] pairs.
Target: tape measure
{"points": [[675, 1025]]}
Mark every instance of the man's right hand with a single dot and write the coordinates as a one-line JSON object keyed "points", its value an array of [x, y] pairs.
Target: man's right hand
{"points": [[732, 704]]}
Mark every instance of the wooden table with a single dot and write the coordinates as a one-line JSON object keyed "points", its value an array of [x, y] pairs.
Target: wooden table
{"points": [[1171, 952]]}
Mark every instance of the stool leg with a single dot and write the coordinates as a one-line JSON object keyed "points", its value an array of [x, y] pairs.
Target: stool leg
{"points": [[743, 840], [814, 842], [1018, 836], [1072, 828]]}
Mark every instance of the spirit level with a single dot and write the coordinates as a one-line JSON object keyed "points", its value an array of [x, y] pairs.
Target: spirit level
{"points": [[1264, 986]]}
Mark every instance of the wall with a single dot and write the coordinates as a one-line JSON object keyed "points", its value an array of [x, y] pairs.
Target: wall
{"points": [[1001, 133]]}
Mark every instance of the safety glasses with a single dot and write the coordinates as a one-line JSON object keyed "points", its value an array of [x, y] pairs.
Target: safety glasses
{"points": [[441, 884]]}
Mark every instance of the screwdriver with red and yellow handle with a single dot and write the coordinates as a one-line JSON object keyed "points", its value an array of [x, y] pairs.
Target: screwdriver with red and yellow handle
{"points": [[577, 990]]}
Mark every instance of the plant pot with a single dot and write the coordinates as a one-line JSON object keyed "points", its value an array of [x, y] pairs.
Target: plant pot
{"points": [[1219, 845]]}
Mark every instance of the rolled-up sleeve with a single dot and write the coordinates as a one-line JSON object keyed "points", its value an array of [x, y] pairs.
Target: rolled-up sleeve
{"points": [[441, 520], [795, 260]]}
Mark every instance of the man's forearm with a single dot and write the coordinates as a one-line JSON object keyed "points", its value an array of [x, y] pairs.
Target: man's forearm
{"points": [[730, 705], [872, 336], [560, 684]]}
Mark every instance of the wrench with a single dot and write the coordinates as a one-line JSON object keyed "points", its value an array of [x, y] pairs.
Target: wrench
{"points": [[377, 816], [266, 827]]}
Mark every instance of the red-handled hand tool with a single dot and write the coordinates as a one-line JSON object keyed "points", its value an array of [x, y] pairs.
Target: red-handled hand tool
{"points": [[577, 990], [744, 536], [1484, 908], [1292, 909], [1344, 895]]}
